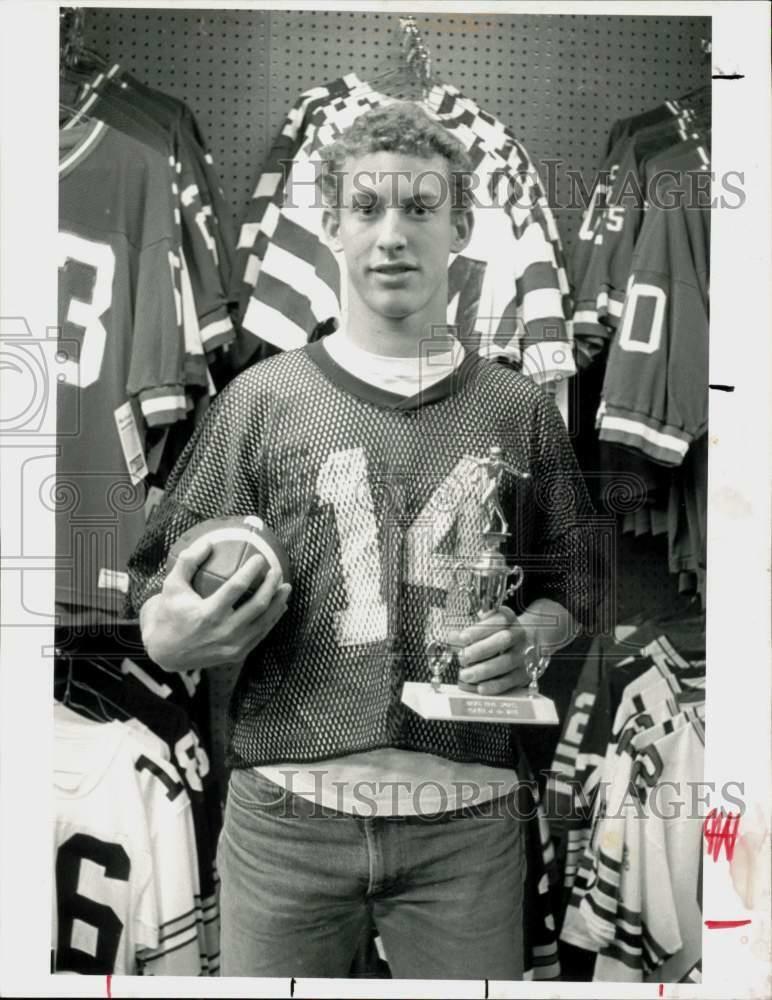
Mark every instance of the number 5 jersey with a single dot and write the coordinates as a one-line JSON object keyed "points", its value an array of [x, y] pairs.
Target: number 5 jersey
{"points": [[121, 351]]}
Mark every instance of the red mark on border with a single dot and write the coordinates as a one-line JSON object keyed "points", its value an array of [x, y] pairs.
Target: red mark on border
{"points": [[720, 830], [719, 925], [661, 989], [109, 986]]}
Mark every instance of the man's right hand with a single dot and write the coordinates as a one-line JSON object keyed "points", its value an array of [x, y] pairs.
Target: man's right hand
{"points": [[182, 631]]}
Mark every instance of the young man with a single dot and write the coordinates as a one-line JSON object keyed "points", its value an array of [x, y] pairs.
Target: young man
{"points": [[361, 452]]}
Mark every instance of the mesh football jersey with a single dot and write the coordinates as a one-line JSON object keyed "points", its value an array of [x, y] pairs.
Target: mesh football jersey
{"points": [[121, 352], [508, 289], [124, 895], [655, 389], [658, 924], [376, 499]]}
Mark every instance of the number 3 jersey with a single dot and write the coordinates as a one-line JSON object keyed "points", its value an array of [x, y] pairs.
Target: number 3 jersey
{"points": [[121, 351], [376, 497]]}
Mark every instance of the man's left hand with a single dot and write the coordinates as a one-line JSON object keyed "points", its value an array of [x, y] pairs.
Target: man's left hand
{"points": [[492, 652]]}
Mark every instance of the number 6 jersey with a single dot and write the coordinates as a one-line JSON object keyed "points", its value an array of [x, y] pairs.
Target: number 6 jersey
{"points": [[376, 498], [121, 351]]}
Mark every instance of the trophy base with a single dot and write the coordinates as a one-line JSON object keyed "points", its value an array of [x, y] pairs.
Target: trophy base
{"points": [[450, 702]]}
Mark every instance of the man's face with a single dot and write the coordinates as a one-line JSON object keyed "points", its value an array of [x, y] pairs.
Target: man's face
{"points": [[396, 230]]}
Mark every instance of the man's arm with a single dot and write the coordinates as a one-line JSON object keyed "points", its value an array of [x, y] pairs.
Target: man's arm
{"points": [[494, 649], [182, 631]]}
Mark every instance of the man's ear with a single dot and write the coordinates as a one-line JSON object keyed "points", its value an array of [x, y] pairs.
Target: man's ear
{"points": [[462, 222], [331, 227]]}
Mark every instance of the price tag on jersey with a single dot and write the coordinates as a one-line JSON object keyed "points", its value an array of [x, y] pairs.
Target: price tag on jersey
{"points": [[113, 579], [131, 443], [154, 497]]}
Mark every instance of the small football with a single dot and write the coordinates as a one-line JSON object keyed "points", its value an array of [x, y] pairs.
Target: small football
{"points": [[234, 540]]}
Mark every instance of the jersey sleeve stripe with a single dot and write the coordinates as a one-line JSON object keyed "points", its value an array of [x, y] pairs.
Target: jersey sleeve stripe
{"points": [[668, 446]]}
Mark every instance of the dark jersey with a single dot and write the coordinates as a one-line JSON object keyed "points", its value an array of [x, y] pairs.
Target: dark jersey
{"points": [[601, 294], [121, 351], [655, 390], [376, 499]]}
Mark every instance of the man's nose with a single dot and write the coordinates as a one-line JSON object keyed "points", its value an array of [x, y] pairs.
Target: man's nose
{"points": [[390, 233]]}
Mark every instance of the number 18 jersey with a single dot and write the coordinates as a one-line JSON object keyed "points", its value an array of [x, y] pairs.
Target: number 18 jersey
{"points": [[121, 351]]}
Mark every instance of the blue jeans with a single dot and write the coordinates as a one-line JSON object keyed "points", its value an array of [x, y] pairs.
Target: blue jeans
{"points": [[300, 883]]}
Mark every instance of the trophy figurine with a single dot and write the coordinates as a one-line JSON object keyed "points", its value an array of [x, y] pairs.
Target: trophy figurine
{"points": [[486, 582]]}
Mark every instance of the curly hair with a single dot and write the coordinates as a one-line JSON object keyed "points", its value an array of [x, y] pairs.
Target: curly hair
{"points": [[400, 127]]}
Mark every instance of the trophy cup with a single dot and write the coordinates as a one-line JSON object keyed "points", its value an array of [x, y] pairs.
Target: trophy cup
{"points": [[486, 582]]}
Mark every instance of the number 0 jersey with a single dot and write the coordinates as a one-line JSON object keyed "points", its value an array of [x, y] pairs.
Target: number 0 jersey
{"points": [[376, 498], [655, 391], [121, 351]]}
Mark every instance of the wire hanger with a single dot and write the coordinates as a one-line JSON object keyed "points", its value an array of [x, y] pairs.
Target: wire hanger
{"points": [[71, 24], [68, 113], [412, 78]]}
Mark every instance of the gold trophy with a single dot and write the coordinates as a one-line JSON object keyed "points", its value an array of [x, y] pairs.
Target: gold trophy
{"points": [[486, 583]]}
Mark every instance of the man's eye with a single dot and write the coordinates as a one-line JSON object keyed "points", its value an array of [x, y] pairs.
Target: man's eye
{"points": [[364, 207], [418, 209]]}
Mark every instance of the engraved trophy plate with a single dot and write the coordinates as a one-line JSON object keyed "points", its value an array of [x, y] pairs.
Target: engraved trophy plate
{"points": [[486, 581]]}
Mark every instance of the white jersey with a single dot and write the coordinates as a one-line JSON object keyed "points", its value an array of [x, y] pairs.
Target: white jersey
{"points": [[655, 922], [608, 820], [124, 855]]}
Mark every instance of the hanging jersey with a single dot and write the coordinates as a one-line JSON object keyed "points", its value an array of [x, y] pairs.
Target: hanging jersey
{"points": [[655, 389], [687, 109], [595, 866], [112, 100], [86, 683], [374, 507], [581, 786], [659, 920], [121, 352], [124, 902], [587, 909], [512, 302], [605, 279]]}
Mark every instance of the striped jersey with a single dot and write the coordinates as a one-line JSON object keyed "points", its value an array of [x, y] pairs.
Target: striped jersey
{"points": [[126, 893], [508, 289], [121, 358], [650, 906], [593, 723]]}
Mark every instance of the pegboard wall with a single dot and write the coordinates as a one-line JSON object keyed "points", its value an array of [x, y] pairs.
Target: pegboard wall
{"points": [[558, 82]]}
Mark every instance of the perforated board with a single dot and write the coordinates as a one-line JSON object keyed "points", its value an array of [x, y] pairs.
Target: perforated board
{"points": [[558, 82]]}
